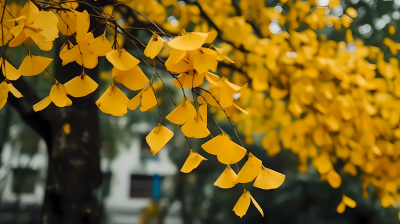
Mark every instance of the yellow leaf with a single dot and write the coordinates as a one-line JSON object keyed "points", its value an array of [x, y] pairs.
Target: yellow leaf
{"points": [[257, 205], [42, 104], [195, 128], [194, 159], [41, 42], [204, 59], [9, 71], [82, 24], [203, 112], [215, 145], [67, 128], [348, 201], [175, 57], [322, 163], [113, 101], [46, 22], [149, 99], [81, 85], [277, 94], [241, 109], [33, 65], [226, 151], [67, 22], [58, 95], [133, 78], [14, 91], [3, 94], [100, 45], [182, 113], [250, 169], [189, 80], [226, 179], [340, 208], [242, 205], [351, 12], [188, 41], [350, 169], [154, 46], [269, 179], [134, 102], [391, 30], [334, 179], [386, 200], [68, 53], [158, 137], [122, 59], [31, 11]]}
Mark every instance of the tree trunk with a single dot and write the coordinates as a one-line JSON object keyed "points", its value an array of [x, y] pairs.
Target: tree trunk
{"points": [[74, 174]]}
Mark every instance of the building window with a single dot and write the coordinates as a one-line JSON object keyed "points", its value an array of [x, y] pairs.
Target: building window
{"points": [[24, 180], [141, 186]]}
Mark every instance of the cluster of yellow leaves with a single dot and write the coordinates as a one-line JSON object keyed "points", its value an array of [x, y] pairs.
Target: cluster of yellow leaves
{"points": [[326, 100], [193, 57]]}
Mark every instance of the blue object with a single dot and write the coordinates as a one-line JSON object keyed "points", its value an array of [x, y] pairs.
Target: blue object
{"points": [[156, 187]]}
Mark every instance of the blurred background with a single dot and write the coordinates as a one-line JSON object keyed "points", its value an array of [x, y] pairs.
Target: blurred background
{"points": [[138, 187]]}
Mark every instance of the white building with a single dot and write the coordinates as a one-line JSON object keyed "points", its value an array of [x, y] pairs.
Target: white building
{"points": [[136, 178]]}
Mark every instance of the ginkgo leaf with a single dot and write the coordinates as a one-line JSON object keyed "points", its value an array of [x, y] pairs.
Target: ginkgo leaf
{"points": [[175, 57], [194, 159], [203, 112], [257, 205], [250, 170], [334, 179], [100, 45], [179, 61], [66, 128], [3, 93], [269, 179], [242, 205], [14, 91], [67, 22], [158, 137], [204, 59], [322, 163], [41, 42], [189, 80], [134, 102], [149, 99], [47, 22], [231, 153], [182, 113], [113, 101], [58, 95], [188, 41], [9, 71], [68, 53], [349, 202], [226, 179], [215, 145], [42, 104], [277, 94], [195, 128], [82, 24], [31, 11], [154, 46], [81, 85], [121, 59], [241, 109], [341, 208], [33, 65], [133, 78]]}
